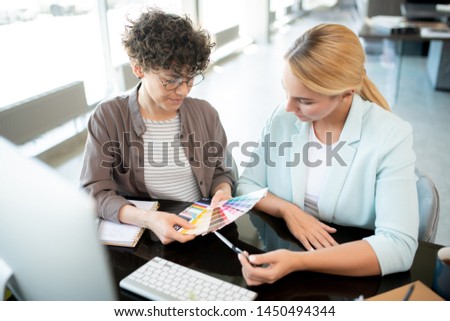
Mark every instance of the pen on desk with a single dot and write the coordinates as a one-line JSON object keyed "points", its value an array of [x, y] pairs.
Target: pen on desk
{"points": [[228, 243], [408, 294], [235, 248]]}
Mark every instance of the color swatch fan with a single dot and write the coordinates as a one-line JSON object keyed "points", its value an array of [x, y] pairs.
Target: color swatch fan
{"points": [[207, 219]]}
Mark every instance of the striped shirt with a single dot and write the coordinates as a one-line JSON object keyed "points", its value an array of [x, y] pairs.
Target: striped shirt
{"points": [[167, 172]]}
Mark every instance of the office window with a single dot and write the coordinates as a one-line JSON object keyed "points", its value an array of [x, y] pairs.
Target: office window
{"points": [[223, 20], [218, 15], [47, 44], [315, 4], [282, 12], [280, 5], [50, 43]]}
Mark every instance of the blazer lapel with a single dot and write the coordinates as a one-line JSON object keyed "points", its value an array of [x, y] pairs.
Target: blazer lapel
{"points": [[298, 168], [336, 177]]}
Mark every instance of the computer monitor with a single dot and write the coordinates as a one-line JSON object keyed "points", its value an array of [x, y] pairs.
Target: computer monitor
{"points": [[49, 247]]}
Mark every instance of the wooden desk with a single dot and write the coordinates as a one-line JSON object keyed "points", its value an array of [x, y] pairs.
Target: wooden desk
{"points": [[209, 255]]}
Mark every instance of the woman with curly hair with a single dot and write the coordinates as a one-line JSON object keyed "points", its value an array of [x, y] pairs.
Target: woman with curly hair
{"points": [[154, 141]]}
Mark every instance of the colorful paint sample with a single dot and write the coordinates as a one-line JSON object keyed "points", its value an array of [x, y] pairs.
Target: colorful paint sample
{"points": [[207, 219]]}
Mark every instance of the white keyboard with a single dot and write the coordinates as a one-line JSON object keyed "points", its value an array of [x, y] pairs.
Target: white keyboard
{"points": [[160, 279]]}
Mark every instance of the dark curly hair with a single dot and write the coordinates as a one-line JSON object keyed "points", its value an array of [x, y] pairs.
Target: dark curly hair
{"points": [[163, 40]]}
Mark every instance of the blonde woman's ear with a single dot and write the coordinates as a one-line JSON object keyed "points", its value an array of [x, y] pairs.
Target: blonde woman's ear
{"points": [[348, 94]]}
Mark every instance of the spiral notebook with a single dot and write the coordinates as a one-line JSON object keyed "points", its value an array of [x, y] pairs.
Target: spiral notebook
{"points": [[119, 234]]}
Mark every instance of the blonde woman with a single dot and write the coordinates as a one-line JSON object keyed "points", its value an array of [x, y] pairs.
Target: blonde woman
{"points": [[337, 154]]}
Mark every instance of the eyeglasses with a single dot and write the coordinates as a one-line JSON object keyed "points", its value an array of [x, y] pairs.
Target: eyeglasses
{"points": [[177, 82]]}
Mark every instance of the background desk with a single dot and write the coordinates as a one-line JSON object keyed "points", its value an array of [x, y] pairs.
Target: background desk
{"points": [[438, 60], [209, 255]]}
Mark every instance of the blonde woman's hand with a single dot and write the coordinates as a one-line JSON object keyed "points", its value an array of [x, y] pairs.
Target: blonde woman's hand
{"points": [[266, 268], [312, 233]]}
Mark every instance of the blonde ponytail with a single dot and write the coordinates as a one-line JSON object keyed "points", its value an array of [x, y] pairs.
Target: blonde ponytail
{"points": [[371, 93]]}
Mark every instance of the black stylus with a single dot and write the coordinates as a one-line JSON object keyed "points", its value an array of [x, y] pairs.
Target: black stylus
{"points": [[235, 248], [228, 243]]}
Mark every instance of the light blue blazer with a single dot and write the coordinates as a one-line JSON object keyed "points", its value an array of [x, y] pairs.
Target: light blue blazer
{"points": [[370, 182]]}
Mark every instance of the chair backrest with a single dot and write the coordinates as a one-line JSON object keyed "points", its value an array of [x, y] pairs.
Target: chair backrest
{"points": [[428, 207]]}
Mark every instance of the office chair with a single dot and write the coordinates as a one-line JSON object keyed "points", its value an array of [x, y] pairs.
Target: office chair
{"points": [[428, 207]]}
